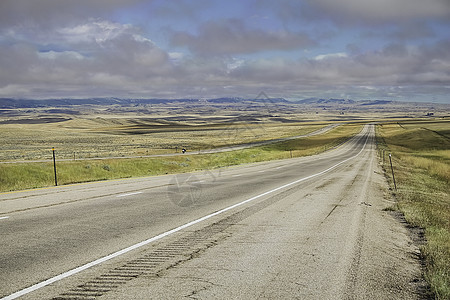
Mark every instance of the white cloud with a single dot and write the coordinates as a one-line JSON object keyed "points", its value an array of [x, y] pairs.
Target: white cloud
{"points": [[53, 55], [98, 31], [12, 90], [331, 55], [234, 64], [176, 57], [106, 79]]}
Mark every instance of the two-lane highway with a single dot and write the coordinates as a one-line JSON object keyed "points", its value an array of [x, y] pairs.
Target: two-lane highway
{"points": [[283, 229]]}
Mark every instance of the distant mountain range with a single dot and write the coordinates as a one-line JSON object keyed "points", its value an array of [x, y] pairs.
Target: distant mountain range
{"points": [[10, 103], [325, 101]]}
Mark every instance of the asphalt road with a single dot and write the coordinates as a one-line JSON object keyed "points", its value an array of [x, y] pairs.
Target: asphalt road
{"points": [[305, 228]]}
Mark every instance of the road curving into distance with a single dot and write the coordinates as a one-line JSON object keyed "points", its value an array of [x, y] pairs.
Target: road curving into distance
{"points": [[311, 227]]}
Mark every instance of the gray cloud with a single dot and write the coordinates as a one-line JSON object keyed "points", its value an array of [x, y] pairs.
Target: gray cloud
{"points": [[394, 66], [76, 50], [381, 11], [232, 36], [405, 32], [50, 13], [102, 54], [412, 31], [127, 65], [407, 14]]}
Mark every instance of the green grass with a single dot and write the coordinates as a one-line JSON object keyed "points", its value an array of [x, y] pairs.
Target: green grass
{"points": [[32, 175], [421, 158]]}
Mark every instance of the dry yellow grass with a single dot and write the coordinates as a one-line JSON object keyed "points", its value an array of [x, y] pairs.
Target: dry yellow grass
{"points": [[421, 157], [115, 137], [31, 175]]}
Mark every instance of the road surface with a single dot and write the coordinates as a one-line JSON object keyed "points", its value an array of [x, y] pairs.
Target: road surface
{"points": [[305, 228]]}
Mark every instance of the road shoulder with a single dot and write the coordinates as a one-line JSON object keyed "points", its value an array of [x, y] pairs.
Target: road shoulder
{"points": [[390, 266]]}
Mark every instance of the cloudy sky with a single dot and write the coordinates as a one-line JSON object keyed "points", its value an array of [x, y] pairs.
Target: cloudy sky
{"points": [[358, 49]]}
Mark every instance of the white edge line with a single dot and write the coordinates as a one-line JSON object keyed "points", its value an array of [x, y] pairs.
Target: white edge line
{"points": [[129, 194], [197, 182], [3, 218], [162, 235]]}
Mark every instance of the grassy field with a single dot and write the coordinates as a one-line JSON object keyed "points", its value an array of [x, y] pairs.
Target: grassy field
{"points": [[115, 137], [421, 158], [32, 175]]}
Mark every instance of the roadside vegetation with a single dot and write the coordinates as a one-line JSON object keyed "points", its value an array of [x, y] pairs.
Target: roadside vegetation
{"points": [[119, 137], [19, 176], [421, 159]]}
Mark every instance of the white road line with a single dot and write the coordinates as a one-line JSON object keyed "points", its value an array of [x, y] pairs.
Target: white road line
{"points": [[3, 218], [162, 235], [129, 194], [199, 181], [262, 171], [278, 168], [236, 175]]}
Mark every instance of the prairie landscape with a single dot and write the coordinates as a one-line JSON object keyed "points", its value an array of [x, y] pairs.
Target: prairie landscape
{"points": [[96, 142], [236, 149], [102, 142], [101, 131]]}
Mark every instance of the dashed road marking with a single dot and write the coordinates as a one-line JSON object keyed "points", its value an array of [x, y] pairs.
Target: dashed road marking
{"points": [[199, 181], [4, 218], [129, 194]]}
